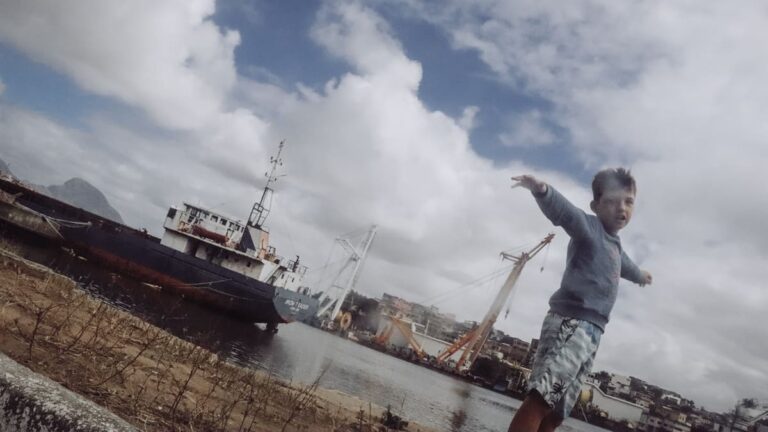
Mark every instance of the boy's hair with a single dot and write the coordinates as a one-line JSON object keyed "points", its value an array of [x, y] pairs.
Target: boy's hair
{"points": [[619, 175]]}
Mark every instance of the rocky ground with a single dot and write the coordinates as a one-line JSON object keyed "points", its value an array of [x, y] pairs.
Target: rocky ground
{"points": [[147, 376]]}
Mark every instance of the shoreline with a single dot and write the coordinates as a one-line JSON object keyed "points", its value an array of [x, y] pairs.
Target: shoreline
{"points": [[147, 376]]}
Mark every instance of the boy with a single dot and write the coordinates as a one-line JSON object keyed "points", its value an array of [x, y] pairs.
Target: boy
{"points": [[580, 309]]}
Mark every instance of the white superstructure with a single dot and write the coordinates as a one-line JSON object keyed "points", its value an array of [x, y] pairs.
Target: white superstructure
{"points": [[232, 244]]}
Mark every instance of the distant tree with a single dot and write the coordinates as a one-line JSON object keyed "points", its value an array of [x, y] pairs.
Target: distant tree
{"points": [[602, 376], [489, 369], [748, 403], [636, 384], [656, 393]]}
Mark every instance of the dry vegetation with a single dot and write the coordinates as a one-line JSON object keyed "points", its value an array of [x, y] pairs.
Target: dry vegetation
{"points": [[147, 376]]}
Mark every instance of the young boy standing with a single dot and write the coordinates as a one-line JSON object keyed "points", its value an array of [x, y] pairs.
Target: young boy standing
{"points": [[579, 310]]}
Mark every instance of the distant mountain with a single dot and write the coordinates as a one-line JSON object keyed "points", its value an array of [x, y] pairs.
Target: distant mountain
{"points": [[79, 193], [4, 168]]}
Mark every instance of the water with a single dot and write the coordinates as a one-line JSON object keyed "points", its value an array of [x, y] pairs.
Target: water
{"points": [[300, 353]]}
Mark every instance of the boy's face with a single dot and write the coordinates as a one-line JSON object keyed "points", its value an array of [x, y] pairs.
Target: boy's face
{"points": [[614, 208]]}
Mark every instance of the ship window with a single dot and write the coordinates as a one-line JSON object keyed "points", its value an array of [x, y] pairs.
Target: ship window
{"points": [[215, 218], [171, 213], [248, 264], [224, 222]]}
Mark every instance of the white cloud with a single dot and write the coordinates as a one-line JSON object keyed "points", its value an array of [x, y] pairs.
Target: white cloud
{"points": [[655, 86], [372, 50], [167, 57], [468, 119], [527, 130], [2, 87]]}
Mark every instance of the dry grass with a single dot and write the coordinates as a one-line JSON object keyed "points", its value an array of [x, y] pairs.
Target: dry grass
{"points": [[145, 375]]}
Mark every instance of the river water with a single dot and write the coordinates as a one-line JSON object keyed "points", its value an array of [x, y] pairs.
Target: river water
{"points": [[300, 353]]}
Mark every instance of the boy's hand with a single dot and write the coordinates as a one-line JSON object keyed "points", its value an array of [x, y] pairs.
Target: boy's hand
{"points": [[531, 183], [647, 278]]}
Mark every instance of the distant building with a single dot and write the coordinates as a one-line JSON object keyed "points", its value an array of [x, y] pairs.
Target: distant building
{"points": [[516, 350], [642, 400], [619, 385], [529, 356], [671, 398], [664, 419], [616, 409], [749, 417]]}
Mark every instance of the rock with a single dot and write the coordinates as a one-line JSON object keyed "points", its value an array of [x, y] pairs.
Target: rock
{"points": [[31, 402]]}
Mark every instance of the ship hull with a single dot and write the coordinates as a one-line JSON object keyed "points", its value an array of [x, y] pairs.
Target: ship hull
{"points": [[141, 256]]}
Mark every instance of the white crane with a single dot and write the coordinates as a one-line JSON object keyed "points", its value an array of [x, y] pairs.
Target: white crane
{"points": [[347, 277]]}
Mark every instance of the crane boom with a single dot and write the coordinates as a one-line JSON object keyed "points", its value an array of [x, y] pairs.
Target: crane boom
{"points": [[476, 338]]}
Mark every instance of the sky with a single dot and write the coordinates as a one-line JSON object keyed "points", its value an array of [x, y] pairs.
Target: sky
{"points": [[413, 115]]}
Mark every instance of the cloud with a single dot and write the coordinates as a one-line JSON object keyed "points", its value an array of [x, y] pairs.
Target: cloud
{"points": [[165, 58], [372, 50], [527, 130], [681, 105], [2, 87], [468, 118]]}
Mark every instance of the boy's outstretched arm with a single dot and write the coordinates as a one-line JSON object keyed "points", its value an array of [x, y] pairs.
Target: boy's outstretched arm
{"points": [[631, 272], [555, 207], [647, 278], [531, 183]]}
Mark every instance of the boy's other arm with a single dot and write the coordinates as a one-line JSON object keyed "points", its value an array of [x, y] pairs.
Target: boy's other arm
{"points": [[555, 207], [631, 272]]}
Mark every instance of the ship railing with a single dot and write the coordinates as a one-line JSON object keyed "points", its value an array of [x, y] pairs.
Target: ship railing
{"points": [[275, 258], [300, 270], [291, 265]]}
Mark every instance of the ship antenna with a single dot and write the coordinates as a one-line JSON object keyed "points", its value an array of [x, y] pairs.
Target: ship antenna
{"points": [[260, 209]]}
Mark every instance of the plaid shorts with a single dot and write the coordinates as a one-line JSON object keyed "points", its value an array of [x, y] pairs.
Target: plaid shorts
{"points": [[567, 348]]}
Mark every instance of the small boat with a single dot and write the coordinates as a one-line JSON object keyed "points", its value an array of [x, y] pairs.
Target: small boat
{"points": [[203, 255]]}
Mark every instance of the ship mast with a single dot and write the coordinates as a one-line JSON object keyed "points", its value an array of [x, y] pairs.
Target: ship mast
{"points": [[260, 209]]}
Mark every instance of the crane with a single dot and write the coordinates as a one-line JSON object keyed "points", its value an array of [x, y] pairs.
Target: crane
{"points": [[395, 323], [473, 340], [333, 298]]}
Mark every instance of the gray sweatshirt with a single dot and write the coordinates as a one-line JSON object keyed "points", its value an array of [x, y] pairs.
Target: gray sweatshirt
{"points": [[594, 263]]}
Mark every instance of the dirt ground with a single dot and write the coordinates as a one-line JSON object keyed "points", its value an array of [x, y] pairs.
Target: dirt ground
{"points": [[147, 376]]}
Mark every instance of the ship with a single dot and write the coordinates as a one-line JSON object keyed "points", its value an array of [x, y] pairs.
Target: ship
{"points": [[203, 255]]}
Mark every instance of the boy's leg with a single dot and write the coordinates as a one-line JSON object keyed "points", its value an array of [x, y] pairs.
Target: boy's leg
{"points": [[550, 422], [529, 416]]}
